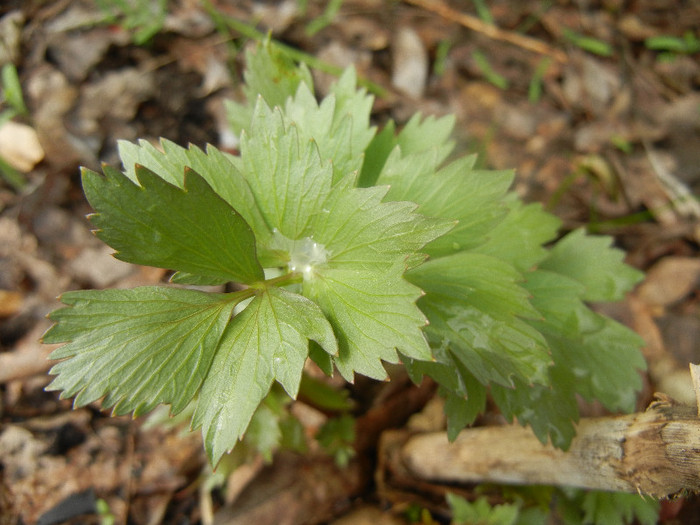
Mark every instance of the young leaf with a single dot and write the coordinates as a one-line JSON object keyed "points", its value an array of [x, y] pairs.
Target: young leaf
{"points": [[139, 347], [339, 125], [481, 511], [266, 342], [349, 245], [551, 411], [618, 508], [360, 230], [594, 357], [270, 74], [519, 238], [157, 224], [423, 134], [601, 355], [286, 176]]}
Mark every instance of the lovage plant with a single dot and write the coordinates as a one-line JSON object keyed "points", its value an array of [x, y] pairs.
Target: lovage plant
{"points": [[350, 248]]}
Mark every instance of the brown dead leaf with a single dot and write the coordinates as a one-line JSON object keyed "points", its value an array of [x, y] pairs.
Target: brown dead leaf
{"points": [[10, 302], [670, 280], [369, 516], [667, 374]]}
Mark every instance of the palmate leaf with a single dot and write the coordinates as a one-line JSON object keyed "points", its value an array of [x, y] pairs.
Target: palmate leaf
{"points": [[139, 347], [600, 354], [266, 342], [594, 357], [362, 232], [157, 224], [520, 237], [361, 288], [355, 275], [348, 283]]}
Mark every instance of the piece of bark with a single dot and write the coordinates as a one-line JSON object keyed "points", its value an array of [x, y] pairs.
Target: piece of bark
{"points": [[655, 452]]}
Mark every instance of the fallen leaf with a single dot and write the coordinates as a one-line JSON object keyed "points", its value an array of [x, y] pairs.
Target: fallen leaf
{"points": [[19, 145], [670, 280], [10, 302]]}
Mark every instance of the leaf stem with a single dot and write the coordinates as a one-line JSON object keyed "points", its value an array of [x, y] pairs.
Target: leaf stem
{"points": [[281, 280]]}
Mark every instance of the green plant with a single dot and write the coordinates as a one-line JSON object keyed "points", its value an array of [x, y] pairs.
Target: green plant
{"points": [[588, 43], [144, 18], [672, 46], [11, 105], [329, 13], [348, 247], [481, 512], [489, 73], [534, 505]]}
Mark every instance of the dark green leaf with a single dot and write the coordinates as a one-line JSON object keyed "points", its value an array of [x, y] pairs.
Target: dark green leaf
{"points": [[157, 224]]}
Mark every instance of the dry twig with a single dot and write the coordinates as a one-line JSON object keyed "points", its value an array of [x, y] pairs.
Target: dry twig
{"points": [[652, 452], [490, 30]]}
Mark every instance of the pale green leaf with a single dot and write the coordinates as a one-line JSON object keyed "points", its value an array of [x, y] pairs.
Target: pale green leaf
{"points": [[423, 134], [373, 314], [551, 411], [376, 153], [266, 342], [476, 307], [493, 349], [593, 356], [361, 231], [619, 508], [519, 238], [419, 137], [270, 74], [484, 282], [481, 512], [457, 191], [601, 355], [288, 180], [139, 347], [339, 125]]}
